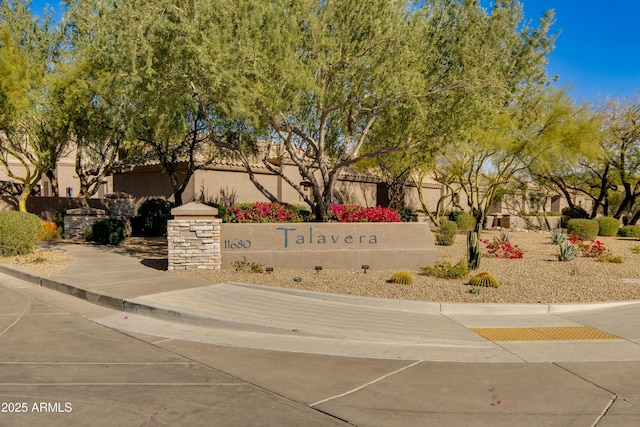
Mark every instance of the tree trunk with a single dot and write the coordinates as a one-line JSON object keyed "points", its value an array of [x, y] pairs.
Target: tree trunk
{"points": [[53, 179]]}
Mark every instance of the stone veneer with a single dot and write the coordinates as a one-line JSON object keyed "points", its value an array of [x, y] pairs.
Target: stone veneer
{"points": [[193, 238], [78, 220]]}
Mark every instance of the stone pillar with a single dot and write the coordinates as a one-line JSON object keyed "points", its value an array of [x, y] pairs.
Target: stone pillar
{"points": [[193, 237], [121, 207], [78, 220]]}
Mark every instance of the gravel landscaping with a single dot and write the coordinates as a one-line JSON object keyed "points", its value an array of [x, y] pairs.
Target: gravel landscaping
{"points": [[536, 278]]}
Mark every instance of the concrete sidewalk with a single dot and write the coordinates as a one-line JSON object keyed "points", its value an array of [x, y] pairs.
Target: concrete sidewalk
{"points": [[158, 303]]}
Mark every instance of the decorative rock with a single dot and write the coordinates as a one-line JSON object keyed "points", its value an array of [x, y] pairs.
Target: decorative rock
{"points": [[79, 219]]}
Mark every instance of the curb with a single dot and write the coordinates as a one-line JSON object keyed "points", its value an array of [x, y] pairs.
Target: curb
{"points": [[424, 307]]}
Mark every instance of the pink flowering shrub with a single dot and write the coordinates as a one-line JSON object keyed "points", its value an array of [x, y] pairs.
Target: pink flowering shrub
{"points": [[592, 249], [263, 212], [501, 247], [352, 213]]}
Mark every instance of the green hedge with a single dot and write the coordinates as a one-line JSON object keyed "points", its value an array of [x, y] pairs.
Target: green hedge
{"points": [[585, 229], [153, 215], [108, 232], [607, 226], [572, 213], [19, 232], [629, 231]]}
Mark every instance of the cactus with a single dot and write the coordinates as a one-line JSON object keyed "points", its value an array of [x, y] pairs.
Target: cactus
{"points": [[401, 278], [485, 280], [556, 237], [566, 252], [473, 250]]}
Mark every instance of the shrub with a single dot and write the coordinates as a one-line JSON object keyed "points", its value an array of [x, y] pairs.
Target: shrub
{"points": [[353, 213], [108, 232], [453, 215], [585, 229], [446, 234], [609, 257], [405, 213], [401, 278], [49, 232], [263, 213], [466, 222], [444, 270], [571, 213], [19, 232], [629, 231], [607, 226], [635, 249], [248, 267], [57, 216], [484, 280], [153, 216], [591, 249], [501, 247]]}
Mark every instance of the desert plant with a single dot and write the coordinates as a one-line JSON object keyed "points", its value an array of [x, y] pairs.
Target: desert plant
{"points": [[629, 231], [401, 278], [50, 232], [108, 231], [566, 252], [153, 215], [406, 213], [585, 229], [446, 233], [263, 213], [484, 280], [57, 216], [353, 213], [444, 270], [87, 234], [571, 213], [609, 257], [19, 232], [474, 254], [248, 267], [466, 222], [501, 247], [557, 237], [591, 249], [607, 226], [635, 249]]}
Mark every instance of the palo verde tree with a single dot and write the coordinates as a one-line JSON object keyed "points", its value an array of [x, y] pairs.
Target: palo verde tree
{"points": [[319, 79], [32, 133], [145, 53], [95, 100], [501, 60]]}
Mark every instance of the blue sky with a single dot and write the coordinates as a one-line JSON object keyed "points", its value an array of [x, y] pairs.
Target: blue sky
{"points": [[597, 54]]}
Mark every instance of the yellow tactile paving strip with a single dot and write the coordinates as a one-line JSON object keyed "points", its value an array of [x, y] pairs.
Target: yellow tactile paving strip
{"points": [[553, 333]]}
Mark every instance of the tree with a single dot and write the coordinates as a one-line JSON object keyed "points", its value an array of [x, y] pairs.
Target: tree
{"points": [[321, 79], [622, 148], [31, 130], [145, 54], [504, 116]]}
